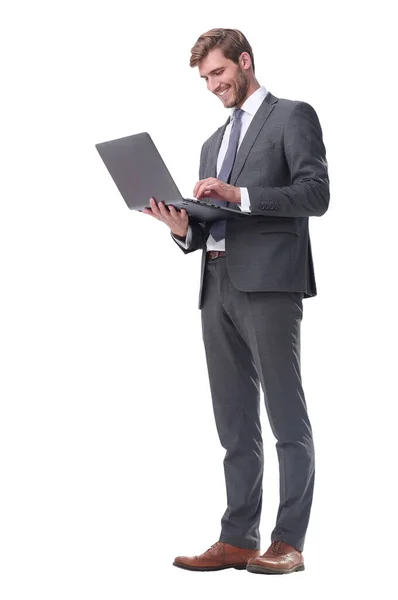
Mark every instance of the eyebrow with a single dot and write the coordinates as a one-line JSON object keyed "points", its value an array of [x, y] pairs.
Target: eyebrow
{"points": [[211, 72]]}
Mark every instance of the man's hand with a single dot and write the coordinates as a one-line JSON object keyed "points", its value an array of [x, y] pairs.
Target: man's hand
{"points": [[219, 190], [176, 220]]}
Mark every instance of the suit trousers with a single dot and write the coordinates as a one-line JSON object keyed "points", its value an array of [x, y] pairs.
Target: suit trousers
{"points": [[253, 339]]}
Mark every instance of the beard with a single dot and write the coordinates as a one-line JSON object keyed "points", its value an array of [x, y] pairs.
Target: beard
{"points": [[238, 89]]}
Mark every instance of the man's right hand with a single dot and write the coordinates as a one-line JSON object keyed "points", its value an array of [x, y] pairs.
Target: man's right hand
{"points": [[173, 218]]}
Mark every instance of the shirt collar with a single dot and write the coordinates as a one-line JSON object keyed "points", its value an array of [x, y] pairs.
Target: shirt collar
{"points": [[253, 102]]}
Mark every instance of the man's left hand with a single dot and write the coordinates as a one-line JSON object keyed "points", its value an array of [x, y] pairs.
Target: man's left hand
{"points": [[219, 190]]}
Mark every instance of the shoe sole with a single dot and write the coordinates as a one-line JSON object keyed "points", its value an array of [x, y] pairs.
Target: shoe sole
{"points": [[189, 568], [268, 571]]}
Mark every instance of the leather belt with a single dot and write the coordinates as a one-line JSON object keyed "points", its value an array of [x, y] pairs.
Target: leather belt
{"points": [[215, 253]]}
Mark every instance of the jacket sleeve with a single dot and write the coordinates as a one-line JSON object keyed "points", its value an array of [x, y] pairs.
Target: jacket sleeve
{"points": [[308, 194], [197, 238]]}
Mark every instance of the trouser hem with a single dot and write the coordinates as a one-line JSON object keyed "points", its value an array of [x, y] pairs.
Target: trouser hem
{"points": [[239, 542], [292, 541]]}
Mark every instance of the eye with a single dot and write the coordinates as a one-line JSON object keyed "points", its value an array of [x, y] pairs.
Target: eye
{"points": [[217, 73]]}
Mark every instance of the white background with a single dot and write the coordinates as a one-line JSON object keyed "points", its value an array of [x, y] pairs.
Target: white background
{"points": [[110, 460]]}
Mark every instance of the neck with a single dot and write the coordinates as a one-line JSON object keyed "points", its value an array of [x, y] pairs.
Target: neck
{"points": [[254, 85]]}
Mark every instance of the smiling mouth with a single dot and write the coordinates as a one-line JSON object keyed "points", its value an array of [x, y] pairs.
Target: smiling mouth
{"points": [[224, 93]]}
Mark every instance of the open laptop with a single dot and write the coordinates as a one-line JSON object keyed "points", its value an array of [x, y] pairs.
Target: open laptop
{"points": [[139, 173]]}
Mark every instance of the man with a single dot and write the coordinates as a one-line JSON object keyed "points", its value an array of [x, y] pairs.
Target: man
{"points": [[269, 160]]}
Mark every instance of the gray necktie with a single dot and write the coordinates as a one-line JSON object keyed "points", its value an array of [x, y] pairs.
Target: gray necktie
{"points": [[217, 229]]}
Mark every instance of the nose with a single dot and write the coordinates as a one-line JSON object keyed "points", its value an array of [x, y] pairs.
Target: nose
{"points": [[212, 86]]}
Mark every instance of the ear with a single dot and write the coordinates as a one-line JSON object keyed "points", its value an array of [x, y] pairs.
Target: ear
{"points": [[245, 61]]}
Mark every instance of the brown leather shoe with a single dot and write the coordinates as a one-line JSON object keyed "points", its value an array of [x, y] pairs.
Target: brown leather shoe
{"points": [[280, 558], [219, 556]]}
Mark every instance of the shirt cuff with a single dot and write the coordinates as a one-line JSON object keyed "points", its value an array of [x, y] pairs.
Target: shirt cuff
{"points": [[244, 200], [188, 239]]}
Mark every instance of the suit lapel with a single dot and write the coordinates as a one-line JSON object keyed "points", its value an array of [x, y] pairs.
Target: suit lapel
{"points": [[215, 148], [254, 129]]}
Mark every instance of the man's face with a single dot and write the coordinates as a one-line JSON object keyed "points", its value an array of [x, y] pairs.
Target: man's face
{"points": [[224, 78]]}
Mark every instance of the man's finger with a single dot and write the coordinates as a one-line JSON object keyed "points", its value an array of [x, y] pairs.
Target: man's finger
{"points": [[199, 184], [173, 211], [164, 211], [197, 187], [154, 207], [203, 188], [198, 190]]}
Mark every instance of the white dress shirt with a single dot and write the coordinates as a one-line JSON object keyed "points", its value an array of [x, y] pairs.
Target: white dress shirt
{"points": [[249, 107]]}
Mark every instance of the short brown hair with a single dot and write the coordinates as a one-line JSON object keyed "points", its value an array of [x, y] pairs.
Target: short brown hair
{"points": [[231, 41]]}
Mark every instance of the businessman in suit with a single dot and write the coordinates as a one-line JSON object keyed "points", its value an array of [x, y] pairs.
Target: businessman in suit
{"points": [[268, 160]]}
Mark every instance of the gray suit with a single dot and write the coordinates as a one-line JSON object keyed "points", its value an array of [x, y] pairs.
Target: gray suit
{"points": [[251, 306]]}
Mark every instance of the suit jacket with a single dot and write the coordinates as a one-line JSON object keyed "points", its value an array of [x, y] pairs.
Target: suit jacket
{"points": [[282, 163]]}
